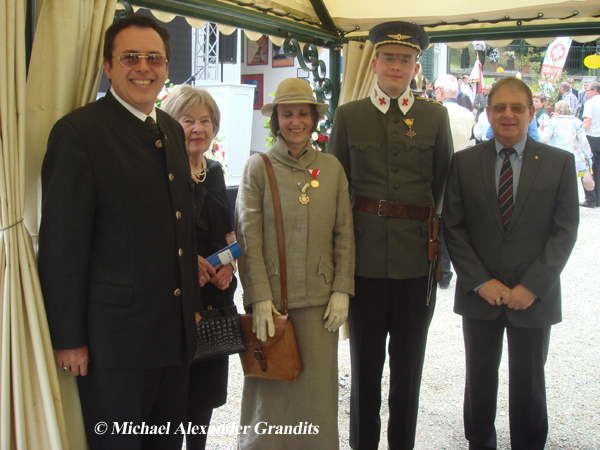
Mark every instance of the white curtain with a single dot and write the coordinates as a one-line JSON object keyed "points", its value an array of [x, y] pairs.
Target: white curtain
{"points": [[39, 407], [358, 78], [28, 414]]}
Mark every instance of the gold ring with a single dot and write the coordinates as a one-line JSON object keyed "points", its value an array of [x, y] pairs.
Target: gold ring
{"points": [[201, 278], [66, 369], [498, 302]]}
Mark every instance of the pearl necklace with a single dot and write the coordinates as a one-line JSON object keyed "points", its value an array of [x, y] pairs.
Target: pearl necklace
{"points": [[200, 175]]}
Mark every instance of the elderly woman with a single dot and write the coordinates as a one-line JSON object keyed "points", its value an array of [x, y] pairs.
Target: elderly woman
{"points": [[566, 131], [319, 246], [199, 116]]}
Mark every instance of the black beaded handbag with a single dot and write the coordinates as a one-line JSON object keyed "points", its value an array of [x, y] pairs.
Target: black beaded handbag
{"points": [[219, 333]]}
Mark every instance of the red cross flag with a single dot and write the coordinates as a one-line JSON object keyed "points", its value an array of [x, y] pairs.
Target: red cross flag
{"points": [[554, 61]]}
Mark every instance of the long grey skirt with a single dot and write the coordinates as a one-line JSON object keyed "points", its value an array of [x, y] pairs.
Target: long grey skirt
{"points": [[307, 406]]}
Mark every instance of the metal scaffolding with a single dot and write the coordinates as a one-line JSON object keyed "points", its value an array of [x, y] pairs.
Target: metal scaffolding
{"points": [[205, 53]]}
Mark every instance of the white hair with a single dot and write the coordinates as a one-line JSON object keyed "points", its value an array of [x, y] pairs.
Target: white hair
{"points": [[449, 83]]}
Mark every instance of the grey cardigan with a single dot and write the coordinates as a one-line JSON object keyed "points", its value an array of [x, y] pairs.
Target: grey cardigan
{"points": [[319, 237]]}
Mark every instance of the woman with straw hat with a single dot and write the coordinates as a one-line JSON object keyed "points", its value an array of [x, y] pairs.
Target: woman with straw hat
{"points": [[319, 248]]}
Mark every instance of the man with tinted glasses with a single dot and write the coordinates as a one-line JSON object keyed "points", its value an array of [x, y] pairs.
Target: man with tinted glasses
{"points": [[396, 151], [510, 222], [117, 263]]}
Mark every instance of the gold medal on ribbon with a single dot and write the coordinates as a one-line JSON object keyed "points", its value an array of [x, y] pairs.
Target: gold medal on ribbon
{"points": [[409, 123], [303, 197], [314, 173]]}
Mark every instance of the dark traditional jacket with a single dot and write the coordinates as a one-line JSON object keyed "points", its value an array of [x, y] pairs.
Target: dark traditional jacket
{"points": [[117, 260]]}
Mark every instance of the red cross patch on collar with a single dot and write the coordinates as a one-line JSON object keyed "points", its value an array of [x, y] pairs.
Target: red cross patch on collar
{"points": [[382, 101], [405, 102]]}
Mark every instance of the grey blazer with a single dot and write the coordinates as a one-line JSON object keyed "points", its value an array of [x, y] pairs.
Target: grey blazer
{"points": [[319, 238], [537, 243]]}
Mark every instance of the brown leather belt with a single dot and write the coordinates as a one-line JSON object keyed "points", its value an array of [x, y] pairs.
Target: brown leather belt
{"points": [[397, 210]]}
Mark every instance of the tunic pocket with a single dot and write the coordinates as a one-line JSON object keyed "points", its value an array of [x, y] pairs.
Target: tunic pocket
{"points": [[363, 157], [426, 159], [110, 294]]}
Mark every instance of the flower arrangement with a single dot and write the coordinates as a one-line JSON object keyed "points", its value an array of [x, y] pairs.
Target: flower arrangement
{"points": [[509, 55], [320, 141], [164, 93], [217, 153]]}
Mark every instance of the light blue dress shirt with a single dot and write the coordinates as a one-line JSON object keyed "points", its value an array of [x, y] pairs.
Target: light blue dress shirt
{"points": [[516, 161]]}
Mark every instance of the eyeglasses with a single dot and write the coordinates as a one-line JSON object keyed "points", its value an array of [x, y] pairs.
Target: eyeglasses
{"points": [[403, 60], [517, 109], [133, 59]]}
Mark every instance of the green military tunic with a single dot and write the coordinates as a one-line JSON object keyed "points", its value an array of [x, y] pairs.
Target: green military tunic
{"points": [[388, 157]]}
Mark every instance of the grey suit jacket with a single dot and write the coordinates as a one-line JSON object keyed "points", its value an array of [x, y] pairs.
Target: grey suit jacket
{"points": [[537, 243]]}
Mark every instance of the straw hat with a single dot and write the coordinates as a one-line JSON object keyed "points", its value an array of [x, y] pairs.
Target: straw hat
{"points": [[293, 90]]}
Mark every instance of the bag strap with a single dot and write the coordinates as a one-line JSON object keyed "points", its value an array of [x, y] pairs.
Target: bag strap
{"points": [[279, 225]]}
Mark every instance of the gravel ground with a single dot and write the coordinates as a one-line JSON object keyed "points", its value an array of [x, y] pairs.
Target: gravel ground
{"points": [[573, 383]]}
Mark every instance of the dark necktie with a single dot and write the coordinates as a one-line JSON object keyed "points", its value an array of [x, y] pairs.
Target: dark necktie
{"points": [[393, 104], [505, 188], [152, 125]]}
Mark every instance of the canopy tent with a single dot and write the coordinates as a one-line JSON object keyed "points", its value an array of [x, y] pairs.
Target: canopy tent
{"points": [[38, 406], [445, 21]]}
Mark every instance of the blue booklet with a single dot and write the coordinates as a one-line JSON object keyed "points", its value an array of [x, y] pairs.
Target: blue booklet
{"points": [[225, 256]]}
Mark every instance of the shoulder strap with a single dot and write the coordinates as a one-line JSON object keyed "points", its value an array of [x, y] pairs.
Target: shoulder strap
{"points": [[279, 224]]}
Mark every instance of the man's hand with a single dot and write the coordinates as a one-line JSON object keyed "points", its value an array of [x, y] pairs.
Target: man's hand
{"points": [[494, 292], [520, 298], [76, 360], [205, 271], [223, 277]]}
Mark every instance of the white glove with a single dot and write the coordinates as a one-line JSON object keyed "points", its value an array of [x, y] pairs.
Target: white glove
{"points": [[262, 319], [337, 310]]}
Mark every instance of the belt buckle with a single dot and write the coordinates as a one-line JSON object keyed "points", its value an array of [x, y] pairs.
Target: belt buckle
{"points": [[379, 209]]}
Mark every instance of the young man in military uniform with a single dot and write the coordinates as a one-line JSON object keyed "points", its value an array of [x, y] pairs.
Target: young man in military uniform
{"points": [[396, 150]]}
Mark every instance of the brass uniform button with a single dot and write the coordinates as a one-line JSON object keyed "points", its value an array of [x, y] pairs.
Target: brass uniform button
{"points": [[159, 143], [178, 215], [171, 177], [177, 292], [180, 252]]}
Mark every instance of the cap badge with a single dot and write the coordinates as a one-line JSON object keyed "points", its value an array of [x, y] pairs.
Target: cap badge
{"points": [[399, 37]]}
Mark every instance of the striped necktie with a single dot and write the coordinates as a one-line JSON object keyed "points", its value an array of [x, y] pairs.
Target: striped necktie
{"points": [[152, 125], [505, 188]]}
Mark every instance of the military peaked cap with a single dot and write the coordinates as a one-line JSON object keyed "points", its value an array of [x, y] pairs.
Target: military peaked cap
{"points": [[399, 33]]}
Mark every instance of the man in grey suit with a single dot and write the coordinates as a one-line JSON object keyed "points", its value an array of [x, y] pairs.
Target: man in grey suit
{"points": [[510, 222]]}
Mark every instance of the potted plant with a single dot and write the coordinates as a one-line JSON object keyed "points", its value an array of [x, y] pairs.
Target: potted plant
{"points": [[510, 60], [531, 61]]}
